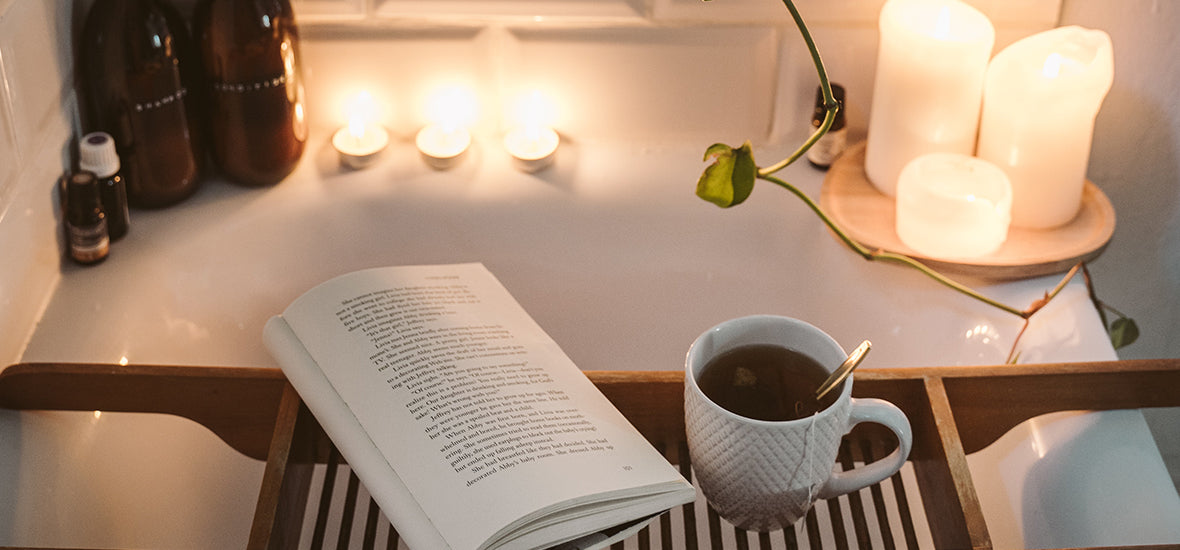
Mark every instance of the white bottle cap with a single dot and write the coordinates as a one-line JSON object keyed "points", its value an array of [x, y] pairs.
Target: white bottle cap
{"points": [[97, 154]]}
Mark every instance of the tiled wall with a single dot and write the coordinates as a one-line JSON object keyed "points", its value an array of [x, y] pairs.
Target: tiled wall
{"points": [[638, 70], [36, 122], [620, 69]]}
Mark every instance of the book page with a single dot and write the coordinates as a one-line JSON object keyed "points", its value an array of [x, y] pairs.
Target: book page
{"points": [[482, 415], [332, 413]]}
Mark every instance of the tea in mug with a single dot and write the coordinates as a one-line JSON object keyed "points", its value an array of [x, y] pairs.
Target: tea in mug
{"points": [[766, 382]]}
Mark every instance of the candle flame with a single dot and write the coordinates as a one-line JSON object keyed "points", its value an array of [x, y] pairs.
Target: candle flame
{"points": [[942, 27], [453, 108], [533, 111], [360, 112], [356, 127], [1052, 66]]}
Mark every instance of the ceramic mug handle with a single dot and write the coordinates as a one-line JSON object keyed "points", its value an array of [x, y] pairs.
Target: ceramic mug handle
{"points": [[881, 412]]}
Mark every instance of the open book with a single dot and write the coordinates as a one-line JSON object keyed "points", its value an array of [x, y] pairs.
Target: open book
{"points": [[466, 422]]}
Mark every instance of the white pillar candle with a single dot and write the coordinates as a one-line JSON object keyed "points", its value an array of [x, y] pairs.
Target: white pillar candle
{"points": [[1040, 99], [952, 206], [931, 60]]}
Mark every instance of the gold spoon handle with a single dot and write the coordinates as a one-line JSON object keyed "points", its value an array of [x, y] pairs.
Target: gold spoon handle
{"points": [[844, 369]]}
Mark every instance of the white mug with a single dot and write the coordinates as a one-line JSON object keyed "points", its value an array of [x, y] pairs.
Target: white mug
{"points": [[764, 475]]}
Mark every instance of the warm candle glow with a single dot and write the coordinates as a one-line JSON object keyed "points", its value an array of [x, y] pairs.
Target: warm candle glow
{"points": [[931, 62], [532, 142], [533, 109], [362, 139], [953, 206], [942, 27], [452, 108], [1052, 66], [444, 140], [361, 112], [1041, 96]]}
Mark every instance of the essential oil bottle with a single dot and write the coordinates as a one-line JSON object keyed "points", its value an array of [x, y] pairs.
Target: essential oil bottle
{"points": [[86, 224], [97, 154], [832, 143]]}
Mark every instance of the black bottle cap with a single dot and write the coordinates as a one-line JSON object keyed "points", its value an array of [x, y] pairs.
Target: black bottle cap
{"points": [[817, 117]]}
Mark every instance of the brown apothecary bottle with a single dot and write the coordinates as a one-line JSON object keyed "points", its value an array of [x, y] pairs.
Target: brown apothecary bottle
{"points": [[87, 239], [137, 70], [249, 54]]}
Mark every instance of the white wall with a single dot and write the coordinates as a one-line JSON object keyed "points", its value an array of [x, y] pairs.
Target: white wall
{"points": [[36, 124], [611, 59], [1136, 161]]}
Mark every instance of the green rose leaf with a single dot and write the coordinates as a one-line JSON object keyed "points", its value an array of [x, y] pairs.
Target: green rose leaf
{"points": [[730, 179], [1123, 332]]}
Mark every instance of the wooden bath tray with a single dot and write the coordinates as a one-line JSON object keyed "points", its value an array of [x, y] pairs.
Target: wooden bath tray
{"points": [[308, 499]]}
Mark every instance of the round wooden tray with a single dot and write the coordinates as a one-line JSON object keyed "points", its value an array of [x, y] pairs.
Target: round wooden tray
{"points": [[867, 215]]}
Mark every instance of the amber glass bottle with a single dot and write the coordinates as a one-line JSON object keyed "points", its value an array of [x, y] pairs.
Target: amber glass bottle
{"points": [[136, 64], [249, 51], [86, 224]]}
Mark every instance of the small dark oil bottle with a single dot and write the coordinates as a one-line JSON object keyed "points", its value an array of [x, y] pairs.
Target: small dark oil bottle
{"points": [[97, 154], [832, 143], [86, 224]]}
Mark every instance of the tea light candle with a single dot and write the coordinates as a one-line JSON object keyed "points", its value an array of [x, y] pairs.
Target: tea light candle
{"points": [[532, 142], [442, 147], [361, 141], [931, 62], [1041, 96], [951, 205], [532, 148], [446, 138]]}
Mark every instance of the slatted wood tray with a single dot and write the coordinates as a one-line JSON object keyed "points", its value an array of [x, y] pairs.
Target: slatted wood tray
{"points": [[308, 499]]}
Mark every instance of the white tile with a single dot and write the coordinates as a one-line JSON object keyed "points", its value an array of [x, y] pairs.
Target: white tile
{"points": [[849, 51], [29, 239], [649, 83], [530, 8], [720, 10], [1001, 12], [34, 39], [1030, 13], [330, 10], [9, 156], [849, 56], [399, 70]]}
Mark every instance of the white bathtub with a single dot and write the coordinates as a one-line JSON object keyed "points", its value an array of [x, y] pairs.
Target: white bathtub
{"points": [[609, 250]]}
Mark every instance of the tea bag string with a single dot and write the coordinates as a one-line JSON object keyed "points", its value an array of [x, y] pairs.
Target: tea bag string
{"points": [[812, 486]]}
